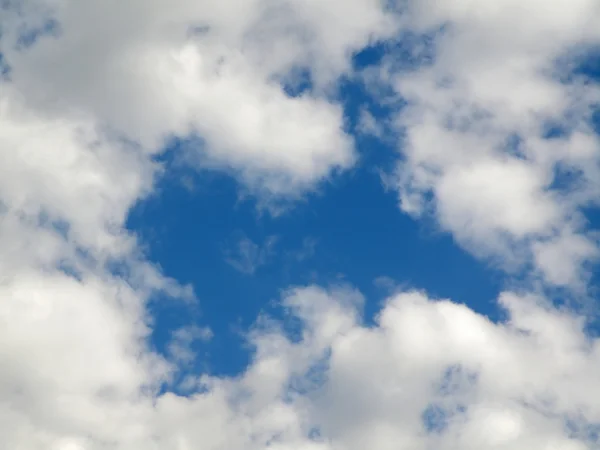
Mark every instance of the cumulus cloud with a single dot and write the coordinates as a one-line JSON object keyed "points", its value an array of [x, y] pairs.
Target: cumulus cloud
{"points": [[493, 119], [430, 373], [212, 71]]}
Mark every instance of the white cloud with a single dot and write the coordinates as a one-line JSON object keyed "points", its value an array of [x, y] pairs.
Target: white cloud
{"points": [[212, 69], [429, 374], [73, 332], [180, 348], [507, 196], [498, 73], [560, 257]]}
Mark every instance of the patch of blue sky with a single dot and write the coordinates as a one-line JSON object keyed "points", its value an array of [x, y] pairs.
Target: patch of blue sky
{"points": [[297, 82], [436, 419], [351, 231], [28, 35], [580, 428]]}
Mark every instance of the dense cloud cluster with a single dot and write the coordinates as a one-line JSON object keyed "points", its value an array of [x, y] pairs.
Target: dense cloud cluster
{"points": [[499, 131], [498, 146]]}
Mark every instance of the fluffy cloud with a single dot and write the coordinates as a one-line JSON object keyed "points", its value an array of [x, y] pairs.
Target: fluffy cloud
{"points": [[212, 71], [492, 122], [430, 374]]}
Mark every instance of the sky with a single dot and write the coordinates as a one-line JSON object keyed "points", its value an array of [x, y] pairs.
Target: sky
{"points": [[298, 224]]}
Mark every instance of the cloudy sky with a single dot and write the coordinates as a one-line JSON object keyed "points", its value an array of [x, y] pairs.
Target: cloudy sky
{"points": [[299, 224]]}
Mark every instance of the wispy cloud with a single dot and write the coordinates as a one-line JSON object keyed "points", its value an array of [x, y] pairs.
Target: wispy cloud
{"points": [[180, 348], [305, 252], [247, 257]]}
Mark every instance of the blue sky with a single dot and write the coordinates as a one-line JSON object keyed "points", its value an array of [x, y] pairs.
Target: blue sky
{"points": [[313, 225], [349, 231]]}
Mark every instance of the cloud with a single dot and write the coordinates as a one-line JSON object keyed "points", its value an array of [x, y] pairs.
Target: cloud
{"points": [[210, 72], [510, 385], [477, 155], [180, 347], [369, 125], [247, 256], [74, 285], [429, 373], [385, 283]]}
